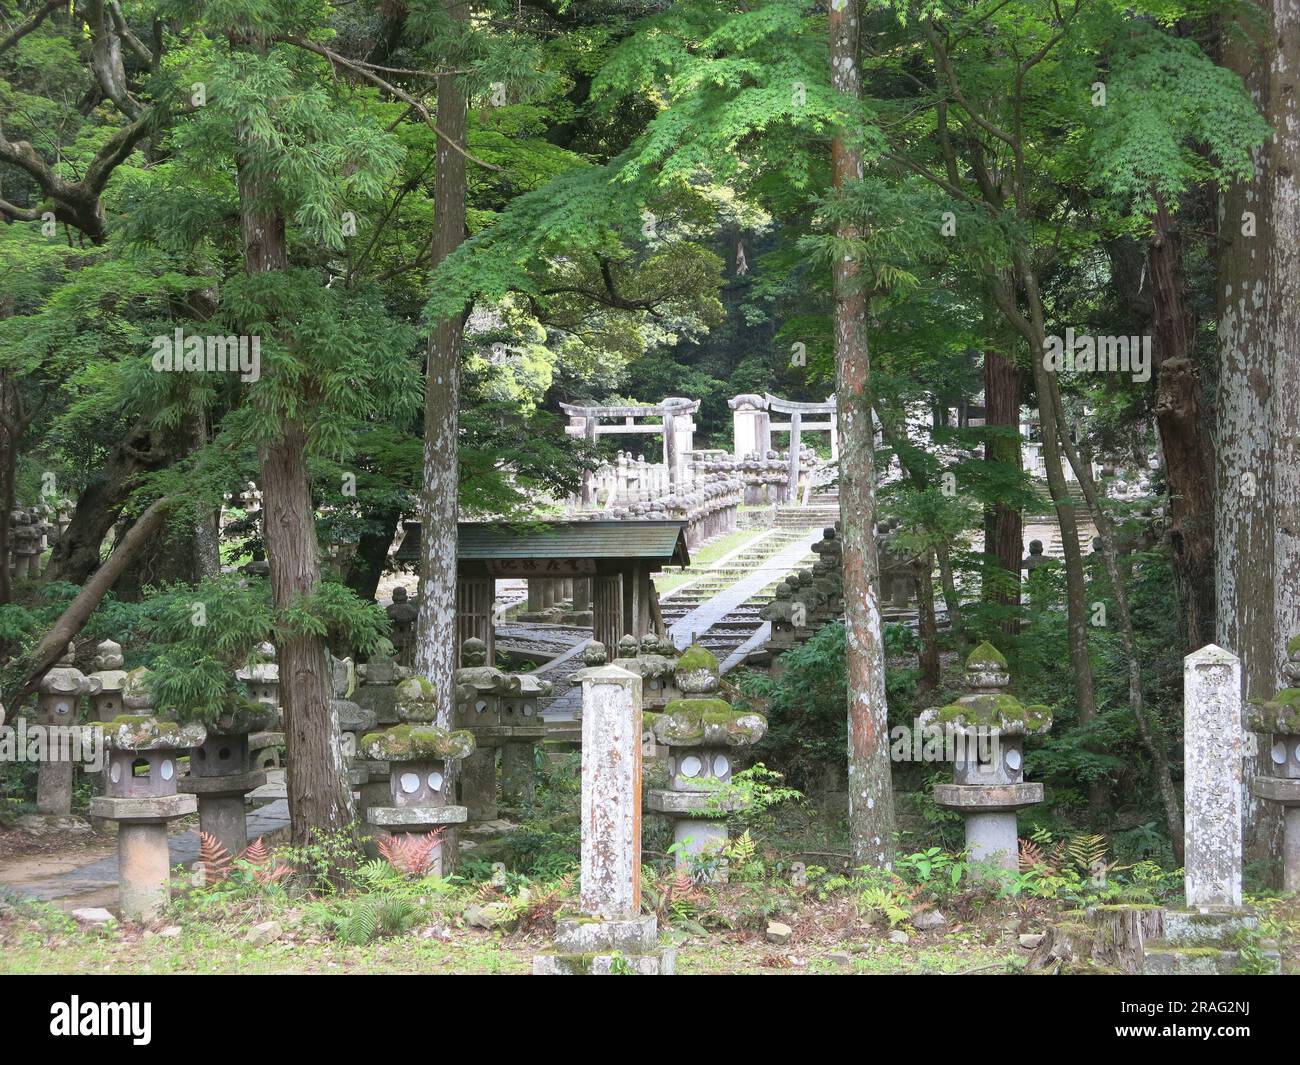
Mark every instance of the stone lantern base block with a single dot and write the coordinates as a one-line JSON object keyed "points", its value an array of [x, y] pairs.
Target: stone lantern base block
{"points": [[1204, 942], [144, 809], [966, 798], [1282, 790], [415, 818], [661, 964], [691, 803], [593, 935], [229, 784]]}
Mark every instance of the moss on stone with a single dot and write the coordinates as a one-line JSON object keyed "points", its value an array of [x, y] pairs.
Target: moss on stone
{"points": [[412, 742], [1280, 714], [986, 656], [697, 657], [996, 711]]}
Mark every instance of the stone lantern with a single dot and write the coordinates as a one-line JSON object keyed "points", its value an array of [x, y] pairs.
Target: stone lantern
{"points": [[59, 697], [703, 733], [522, 716], [107, 701], [419, 755], [27, 548], [377, 690], [354, 720], [1278, 718], [987, 728], [656, 661], [262, 680], [140, 794], [222, 774], [481, 694]]}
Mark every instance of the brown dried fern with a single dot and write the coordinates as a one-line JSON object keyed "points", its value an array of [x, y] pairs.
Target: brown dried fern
{"points": [[215, 858]]}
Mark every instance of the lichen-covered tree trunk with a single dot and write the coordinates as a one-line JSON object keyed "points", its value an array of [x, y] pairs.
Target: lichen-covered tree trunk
{"points": [[1245, 608], [871, 794], [1284, 319], [320, 796], [436, 653], [1184, 439]]}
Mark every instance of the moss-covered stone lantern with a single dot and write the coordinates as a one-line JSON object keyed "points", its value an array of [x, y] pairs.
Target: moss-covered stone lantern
{"points": [[986, 730], [141, 794], [703, 733], [418, 754], [1278, 719]]}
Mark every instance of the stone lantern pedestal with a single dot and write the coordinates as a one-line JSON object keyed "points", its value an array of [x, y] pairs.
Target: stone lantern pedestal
{"points": [[1278, 718], [702, 732], [986, 729], [222, 774], [418, 755], [140, 794]]}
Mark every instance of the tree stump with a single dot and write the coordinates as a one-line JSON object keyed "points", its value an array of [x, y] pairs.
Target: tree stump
{"points": [[1101, 940]]}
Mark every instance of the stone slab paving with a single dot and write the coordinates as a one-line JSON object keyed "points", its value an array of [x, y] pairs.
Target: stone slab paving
{"points": [[184, 848]]}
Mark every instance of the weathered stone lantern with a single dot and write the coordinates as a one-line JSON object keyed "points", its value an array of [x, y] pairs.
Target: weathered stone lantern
{"points": [[107, 701], [522, 716], [703, 733], [987, 729], [419, 754], [1278, 718], [481, 693], [140, 794], [656, 661], [60, 693], [263, 682], [222, 774]]}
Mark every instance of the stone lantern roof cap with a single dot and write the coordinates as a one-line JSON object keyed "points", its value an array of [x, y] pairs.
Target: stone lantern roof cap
{"points": [[144, 732], [987, 704], [417, 742]]}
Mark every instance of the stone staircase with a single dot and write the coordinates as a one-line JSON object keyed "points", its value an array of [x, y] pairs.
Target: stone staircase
{"points": [[741, 622]]}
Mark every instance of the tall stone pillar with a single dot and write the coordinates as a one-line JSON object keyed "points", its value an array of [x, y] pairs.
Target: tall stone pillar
{"points": [[1212, 748], [609, 935], [1206, 937]]}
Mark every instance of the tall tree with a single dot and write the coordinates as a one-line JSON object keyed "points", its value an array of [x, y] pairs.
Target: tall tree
{"points": [[1245, 578], [871, 792], [436, 651]]}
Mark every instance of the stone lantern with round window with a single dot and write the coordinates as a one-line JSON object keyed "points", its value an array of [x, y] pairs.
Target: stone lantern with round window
{"points": [[704, 734], [141, 795], [985, 732], [1277, 721], [419, 756]]}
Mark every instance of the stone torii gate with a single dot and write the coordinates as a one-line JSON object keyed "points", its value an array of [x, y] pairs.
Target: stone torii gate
{"points": [[676, 426], [796, 426]]}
